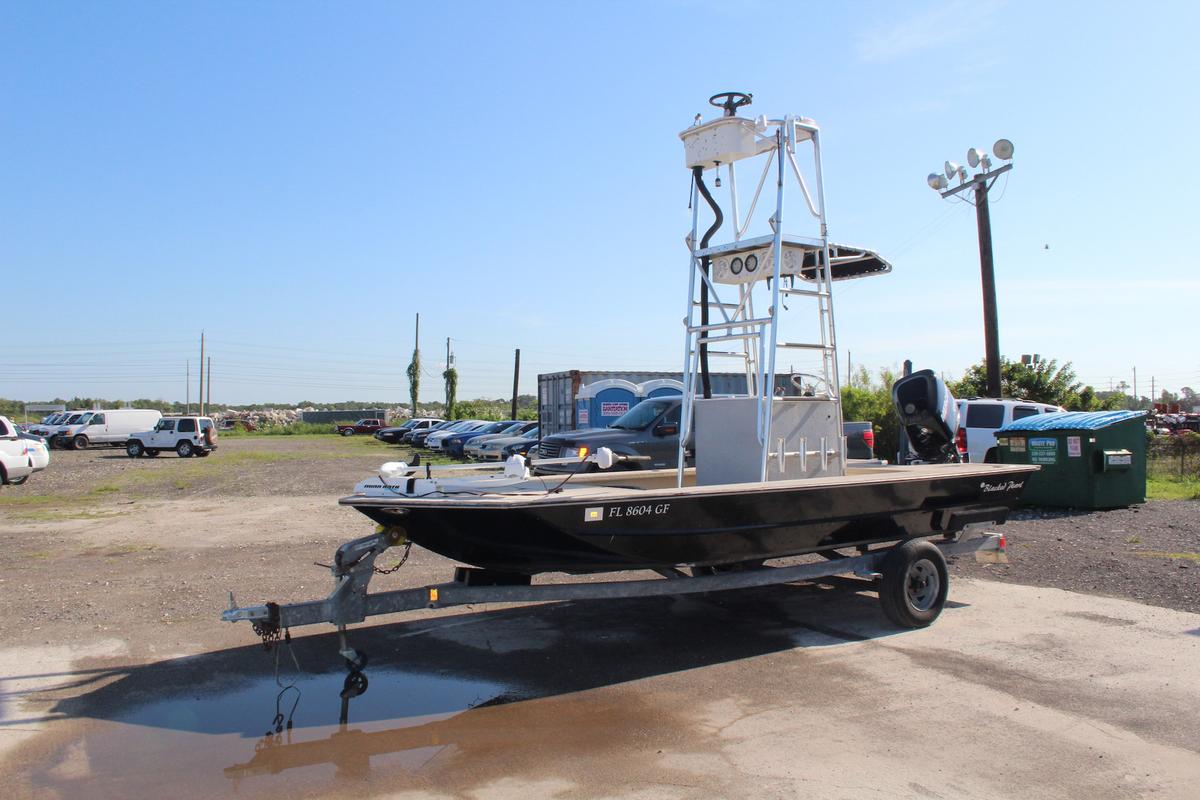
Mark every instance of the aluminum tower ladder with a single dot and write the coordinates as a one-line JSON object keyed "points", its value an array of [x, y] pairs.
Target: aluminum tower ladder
{"points": [[798, 272]]}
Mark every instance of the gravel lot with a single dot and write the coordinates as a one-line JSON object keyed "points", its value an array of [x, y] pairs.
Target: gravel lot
{"points": [[120, 567]]}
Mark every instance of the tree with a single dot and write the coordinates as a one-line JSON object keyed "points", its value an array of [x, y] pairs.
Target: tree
{"points": [[869, 399], [451, 378], [1043, 382], [414, 368]]}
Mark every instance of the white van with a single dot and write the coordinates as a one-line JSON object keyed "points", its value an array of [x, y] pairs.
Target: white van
{"points": [[111, 426], [70, 419]]}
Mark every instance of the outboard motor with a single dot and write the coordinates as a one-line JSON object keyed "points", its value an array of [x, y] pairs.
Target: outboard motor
{"points": [[929, 415]]}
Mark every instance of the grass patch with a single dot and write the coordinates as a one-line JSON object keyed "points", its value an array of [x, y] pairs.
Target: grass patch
{"points": [[1172, 489], [315, 429], [1173, 556], [62, 514], [107, 488], [32, 500]]}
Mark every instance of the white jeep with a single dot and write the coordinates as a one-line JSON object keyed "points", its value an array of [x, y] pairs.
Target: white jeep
{"points": [[187, 436]]}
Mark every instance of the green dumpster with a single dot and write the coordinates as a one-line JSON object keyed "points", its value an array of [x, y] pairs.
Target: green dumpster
{"points": [[1088, 459]]}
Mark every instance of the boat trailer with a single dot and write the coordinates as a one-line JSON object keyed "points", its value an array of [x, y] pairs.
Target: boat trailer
{"points": [[911, 577]]}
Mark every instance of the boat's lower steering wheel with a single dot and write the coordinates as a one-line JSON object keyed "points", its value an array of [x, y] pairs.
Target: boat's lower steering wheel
{"points": [[731, 101], [819, 379]]}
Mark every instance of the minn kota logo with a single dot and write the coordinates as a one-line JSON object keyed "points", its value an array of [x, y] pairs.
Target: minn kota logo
{"points": [[594, 514]]}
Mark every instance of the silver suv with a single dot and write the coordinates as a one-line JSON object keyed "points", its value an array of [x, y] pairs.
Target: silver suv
{"points": [[980, 417]]}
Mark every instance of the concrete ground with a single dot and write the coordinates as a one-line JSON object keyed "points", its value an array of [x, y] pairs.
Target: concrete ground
{"points": [[784, 692]]}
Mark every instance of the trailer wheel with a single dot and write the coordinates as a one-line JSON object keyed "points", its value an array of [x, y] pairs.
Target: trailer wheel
{"points": [[915, 584], [133, 448]]}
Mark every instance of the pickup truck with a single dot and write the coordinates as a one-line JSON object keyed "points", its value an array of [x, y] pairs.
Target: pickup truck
{"points": [[650, 432], [362, 426]]}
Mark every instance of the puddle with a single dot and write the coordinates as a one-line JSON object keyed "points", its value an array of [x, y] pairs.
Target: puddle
{"points": [[511, 694], [215, 744], [250, 710]]}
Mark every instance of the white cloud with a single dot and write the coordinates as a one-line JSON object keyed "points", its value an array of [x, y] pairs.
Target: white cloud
{"points": [[931, 27]]}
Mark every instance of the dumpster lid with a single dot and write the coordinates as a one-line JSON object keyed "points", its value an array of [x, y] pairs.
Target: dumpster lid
{"points": [[1071, 420]]}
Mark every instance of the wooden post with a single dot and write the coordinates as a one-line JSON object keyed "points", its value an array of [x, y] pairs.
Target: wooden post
{"points": [[516, 377]]}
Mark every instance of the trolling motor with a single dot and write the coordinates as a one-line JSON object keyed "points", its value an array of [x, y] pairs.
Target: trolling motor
{"points": [[929, 415]]}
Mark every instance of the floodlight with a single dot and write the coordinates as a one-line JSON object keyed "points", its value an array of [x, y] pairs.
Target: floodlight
{"points": [[936, 182], [1003, 149], [951, 169], [974, 156]]}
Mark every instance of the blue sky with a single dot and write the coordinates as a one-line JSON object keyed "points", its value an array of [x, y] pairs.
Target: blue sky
{"points": [[300, 179]]}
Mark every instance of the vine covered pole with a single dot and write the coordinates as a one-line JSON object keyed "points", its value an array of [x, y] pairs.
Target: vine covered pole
{"points": [[451, 378], [414, 367]]}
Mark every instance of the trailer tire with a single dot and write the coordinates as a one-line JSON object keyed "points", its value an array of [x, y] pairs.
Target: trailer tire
{"points": [[915, 584]]}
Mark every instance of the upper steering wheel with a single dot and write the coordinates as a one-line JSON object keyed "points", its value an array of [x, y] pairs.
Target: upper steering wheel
{"points": [[731, 101]]}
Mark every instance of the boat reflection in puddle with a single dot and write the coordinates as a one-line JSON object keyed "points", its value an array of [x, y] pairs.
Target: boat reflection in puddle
{"points": [[209, 745]]}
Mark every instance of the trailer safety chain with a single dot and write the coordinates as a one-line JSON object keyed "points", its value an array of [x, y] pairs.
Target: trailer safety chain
{"points": [[398, 565], [268, 629]]}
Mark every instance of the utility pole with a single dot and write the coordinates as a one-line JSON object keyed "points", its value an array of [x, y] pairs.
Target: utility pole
{"points": [[516, 377], [981, 183], [200, 394], [1152, 394]]}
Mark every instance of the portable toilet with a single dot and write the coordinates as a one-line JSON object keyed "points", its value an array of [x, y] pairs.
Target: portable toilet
{"points": [[599, 404], [1088, 459], [660, 387]]}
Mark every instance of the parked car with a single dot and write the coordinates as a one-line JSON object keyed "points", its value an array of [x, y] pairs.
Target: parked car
{"points": [[521, 447], [492, 448], [21, 454], [110, 426], [362, 426], [980, 417], [396, 434], [187, 436], [860, 439], [436, 440], [456, 443], [417, 438], [73, 418], [649, 429]]}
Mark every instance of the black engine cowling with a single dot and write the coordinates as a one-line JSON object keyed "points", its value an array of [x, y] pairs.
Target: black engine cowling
{"points": [[929, 415]]}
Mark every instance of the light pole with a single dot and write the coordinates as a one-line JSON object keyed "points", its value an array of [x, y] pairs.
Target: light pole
{"points": [[981, 183]]}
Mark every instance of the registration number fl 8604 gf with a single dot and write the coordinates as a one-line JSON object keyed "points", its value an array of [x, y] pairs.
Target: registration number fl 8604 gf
{"points": [[638, 511]]}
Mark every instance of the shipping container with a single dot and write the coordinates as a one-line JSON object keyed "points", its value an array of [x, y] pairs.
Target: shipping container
{"points": [[558, 391]]}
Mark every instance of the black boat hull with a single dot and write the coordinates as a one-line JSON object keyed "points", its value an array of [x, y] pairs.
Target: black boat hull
{"points": [[667, 528]]}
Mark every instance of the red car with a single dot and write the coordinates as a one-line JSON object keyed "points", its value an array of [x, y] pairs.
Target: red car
{"points": [[362, 426]]}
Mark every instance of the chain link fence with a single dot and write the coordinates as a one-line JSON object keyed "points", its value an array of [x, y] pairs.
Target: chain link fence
{"points": [[1174, 457]]}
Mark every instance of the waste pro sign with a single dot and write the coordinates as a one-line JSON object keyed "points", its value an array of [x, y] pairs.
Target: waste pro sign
{"points": [[613, 408], [1043, 450]]}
